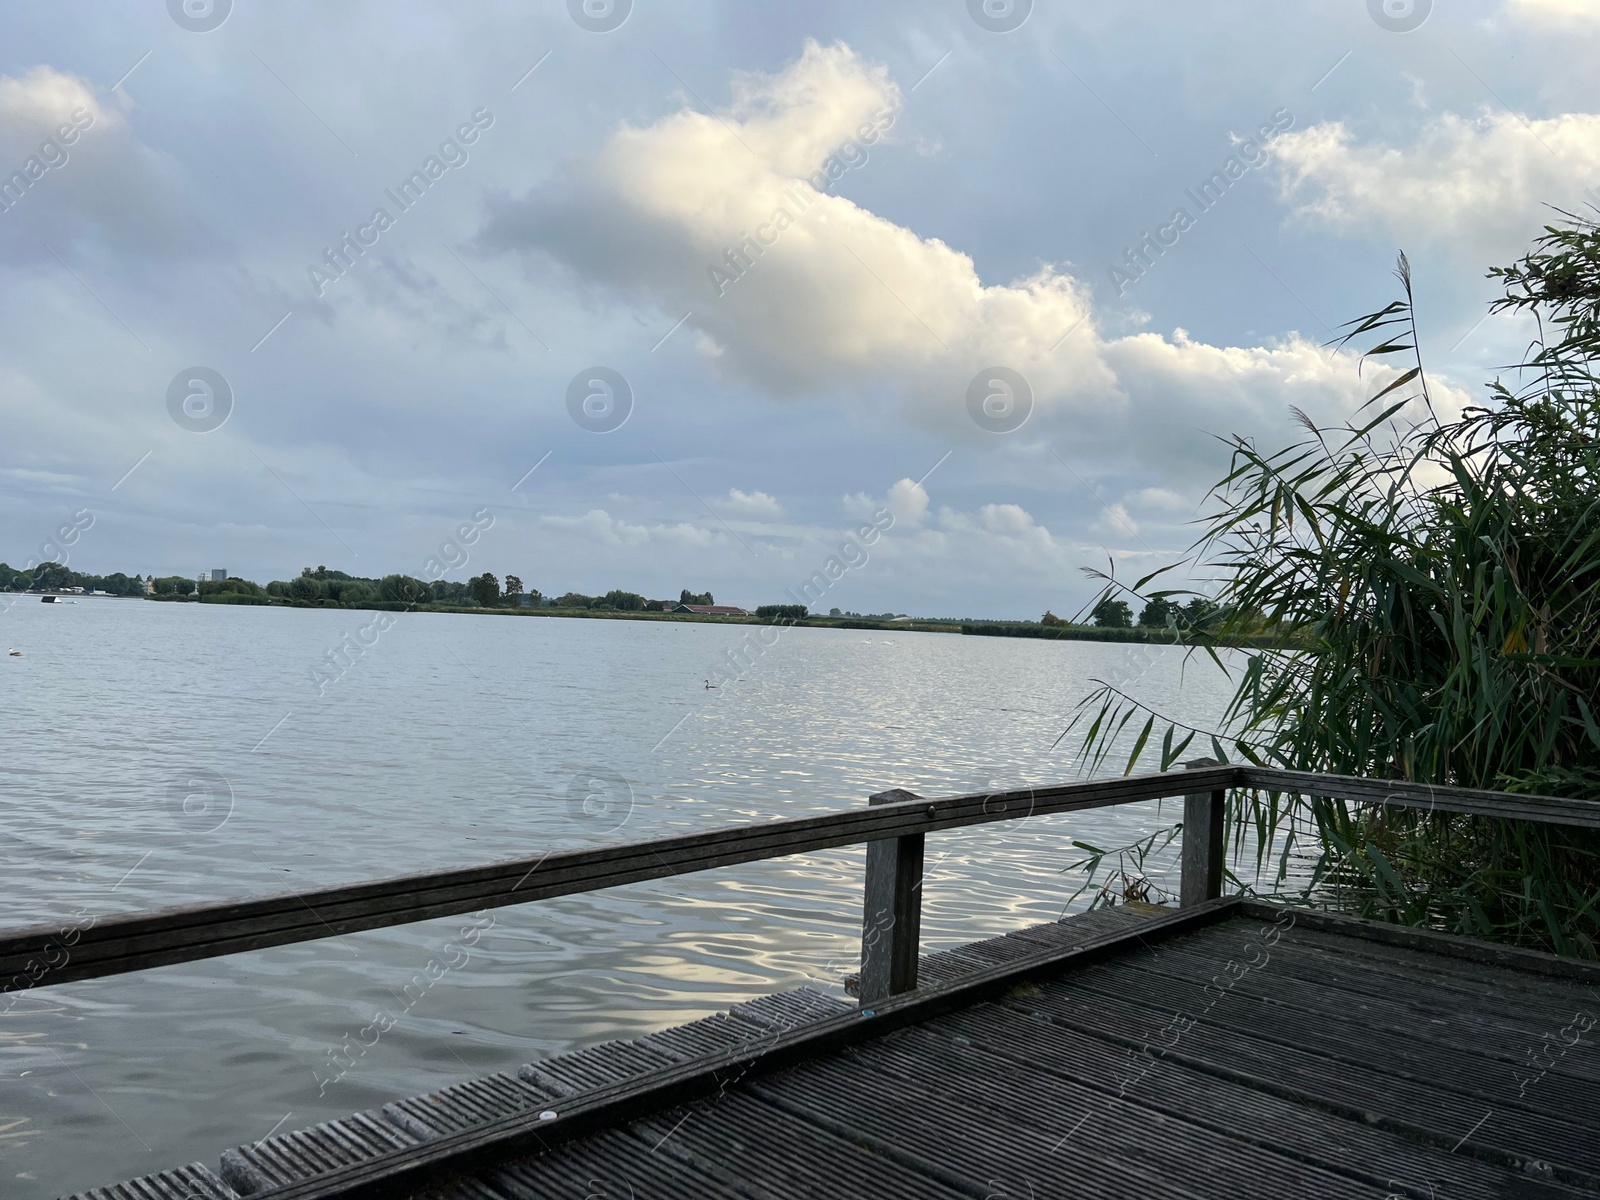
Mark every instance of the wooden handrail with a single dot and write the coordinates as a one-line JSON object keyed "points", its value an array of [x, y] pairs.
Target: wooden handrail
{"points": [[44, 955], [1510, 806]]}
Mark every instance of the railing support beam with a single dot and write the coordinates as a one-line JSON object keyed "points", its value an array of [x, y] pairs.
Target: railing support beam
{"points": [[1202, 842], [891, 919]]}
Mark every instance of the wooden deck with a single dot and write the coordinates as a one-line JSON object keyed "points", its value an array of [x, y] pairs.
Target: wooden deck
{"points": [[1231, 1051]]}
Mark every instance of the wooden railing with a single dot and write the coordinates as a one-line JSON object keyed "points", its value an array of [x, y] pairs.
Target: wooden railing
{"points": [[894, 827]]}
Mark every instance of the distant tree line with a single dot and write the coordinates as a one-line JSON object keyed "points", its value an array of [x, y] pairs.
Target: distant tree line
{"points": [[1066, 632], [231, 590], [1158, 613], [54, 576], [323, 586], [1162, 620], [782, 612]]}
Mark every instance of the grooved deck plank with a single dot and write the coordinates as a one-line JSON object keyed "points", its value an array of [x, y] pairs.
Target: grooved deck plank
{"points": [[948, 965], [1070, 931], [1338, 1144], [705, 1036], [307, 1153], [1491, 1000], [989, 1088], [741, 1141], [594, 1067], [935, 1134], [612, 1062], [1476, 983], [193, 1182], [1440, 1115], [1423, 1054], [611, 1166], [1411, 1008], [786, 1010], [462, 1105]]}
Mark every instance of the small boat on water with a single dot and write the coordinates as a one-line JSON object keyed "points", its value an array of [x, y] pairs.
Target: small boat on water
{"points": [[14, 653], [47, 599]]}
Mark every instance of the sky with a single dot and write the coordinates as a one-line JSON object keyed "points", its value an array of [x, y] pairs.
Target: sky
{"points": [[689, 295]]}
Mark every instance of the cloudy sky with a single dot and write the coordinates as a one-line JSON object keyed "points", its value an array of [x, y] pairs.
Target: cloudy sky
{"points": [[819, 259]]}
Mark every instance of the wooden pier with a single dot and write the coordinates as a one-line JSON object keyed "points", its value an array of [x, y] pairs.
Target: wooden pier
{"points": [[1221, 1048]]}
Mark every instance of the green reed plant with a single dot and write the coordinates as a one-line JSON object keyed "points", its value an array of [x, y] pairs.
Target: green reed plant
{"points": [[1434, 580]]}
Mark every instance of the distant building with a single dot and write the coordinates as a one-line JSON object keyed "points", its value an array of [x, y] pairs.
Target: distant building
{"points": [[218, 574], [709, 610]]}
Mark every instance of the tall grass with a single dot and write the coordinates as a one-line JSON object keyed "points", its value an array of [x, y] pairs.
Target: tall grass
{"points": [[1438, 581]]}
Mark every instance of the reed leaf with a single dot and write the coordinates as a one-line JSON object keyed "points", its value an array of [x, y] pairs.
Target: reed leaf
{"points": [[1422, 601]]}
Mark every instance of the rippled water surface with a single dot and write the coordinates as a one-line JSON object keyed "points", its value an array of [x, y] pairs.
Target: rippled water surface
{"points": [[163, 754]]}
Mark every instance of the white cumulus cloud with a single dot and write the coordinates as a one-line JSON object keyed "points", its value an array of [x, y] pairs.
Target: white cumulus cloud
{"points": [[908, 501], [1161, 499], [1116, 518], [752, 504], [73, 168], [1556, 12], [1476, 183], [827, 298], [1010, 519], [601, 527], [37, 105]]}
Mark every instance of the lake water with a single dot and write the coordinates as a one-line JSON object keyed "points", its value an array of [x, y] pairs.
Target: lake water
{"points": [[163, 754]]}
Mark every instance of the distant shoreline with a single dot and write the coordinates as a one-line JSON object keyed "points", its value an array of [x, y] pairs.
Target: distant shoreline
{"points": [[1029, 629]]}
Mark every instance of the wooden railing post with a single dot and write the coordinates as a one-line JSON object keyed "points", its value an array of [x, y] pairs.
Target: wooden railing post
{"points": [[891, 920], [1202, 842]]}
